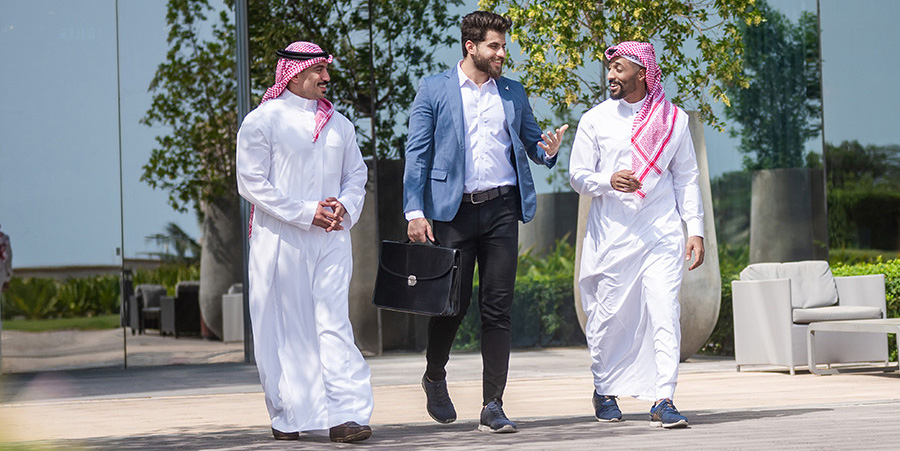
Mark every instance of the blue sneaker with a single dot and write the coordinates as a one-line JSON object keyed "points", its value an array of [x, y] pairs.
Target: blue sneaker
{"points": [[438, 405], [666, 415], [606, 409], [494, 420]]}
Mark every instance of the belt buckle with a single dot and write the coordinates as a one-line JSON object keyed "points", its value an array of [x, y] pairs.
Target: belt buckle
{"points": [[472, 197]]}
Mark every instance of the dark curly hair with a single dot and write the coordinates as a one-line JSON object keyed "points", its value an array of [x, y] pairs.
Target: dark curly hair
{"points": [[475, 26]]}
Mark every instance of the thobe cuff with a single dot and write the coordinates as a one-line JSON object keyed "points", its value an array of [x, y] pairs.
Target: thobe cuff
{"points": [[351, 212], [307, 214], [695, 228]]}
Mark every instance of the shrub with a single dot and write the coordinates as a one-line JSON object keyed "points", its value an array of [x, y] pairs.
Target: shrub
{"points": [[31, 298], [89, 296], [167, 275], [42, 298]]}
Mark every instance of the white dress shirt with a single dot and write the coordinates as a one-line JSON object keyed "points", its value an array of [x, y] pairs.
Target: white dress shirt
{"points": [[487, 138]]}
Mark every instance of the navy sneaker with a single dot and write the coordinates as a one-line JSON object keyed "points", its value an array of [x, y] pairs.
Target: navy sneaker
{"points": [[494, 420], [439, 405], [666, 415], [606, 409]]}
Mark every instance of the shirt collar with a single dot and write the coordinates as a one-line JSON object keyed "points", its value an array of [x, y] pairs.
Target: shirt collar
{"points": [[300, 102], [634, 107], [463, 78]]}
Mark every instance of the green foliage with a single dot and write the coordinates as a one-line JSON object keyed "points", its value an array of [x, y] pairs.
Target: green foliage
{"points": [[195, 98], [891, 271], [543, 311], [195, 89], [88, 296], [44, 325], [30, 298], [732, 260], [403, 35], [863, 195], [781, 108], [177, 244], [167, 275], [43, 298], [563, 43]]}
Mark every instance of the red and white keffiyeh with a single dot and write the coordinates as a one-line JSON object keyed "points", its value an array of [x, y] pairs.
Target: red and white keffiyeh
{"points": [[651, 132], [288, 68], [285, 70]]}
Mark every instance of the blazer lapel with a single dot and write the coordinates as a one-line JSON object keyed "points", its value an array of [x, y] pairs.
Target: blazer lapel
{"points": [[455, 102], [509, 107]]}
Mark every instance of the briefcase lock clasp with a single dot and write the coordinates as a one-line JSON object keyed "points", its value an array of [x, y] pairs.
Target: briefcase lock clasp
{"points": [[411, 280]]}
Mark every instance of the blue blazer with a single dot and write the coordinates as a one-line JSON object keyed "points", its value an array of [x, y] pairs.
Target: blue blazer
{"points": [[435, 172]]}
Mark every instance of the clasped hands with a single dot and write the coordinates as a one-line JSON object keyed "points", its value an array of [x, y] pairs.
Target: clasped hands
{"points": [[329, 220]]}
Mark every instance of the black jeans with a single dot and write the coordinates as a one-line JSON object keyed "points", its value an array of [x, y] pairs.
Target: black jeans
{"points": [[489, 234]]}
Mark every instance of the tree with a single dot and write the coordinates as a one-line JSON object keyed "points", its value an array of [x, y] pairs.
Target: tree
{"points": [[863, 194], [195, 97], [563, 43], [403, 34], [177, 243], [781, 107]]}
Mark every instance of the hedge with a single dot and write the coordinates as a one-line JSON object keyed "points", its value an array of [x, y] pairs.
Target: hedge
{"points": [[41, 298]]}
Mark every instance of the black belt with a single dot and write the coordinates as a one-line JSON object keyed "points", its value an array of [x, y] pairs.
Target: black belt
{"points": [[486, 195]]}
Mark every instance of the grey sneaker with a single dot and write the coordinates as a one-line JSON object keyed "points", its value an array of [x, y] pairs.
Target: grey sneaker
{"points": [[438, 405], [606, 409], [494, 420]]}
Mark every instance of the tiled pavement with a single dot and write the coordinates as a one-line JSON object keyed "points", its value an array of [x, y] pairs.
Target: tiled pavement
{"points": [[220, 406]]}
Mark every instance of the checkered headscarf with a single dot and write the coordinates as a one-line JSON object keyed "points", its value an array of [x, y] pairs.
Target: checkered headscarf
{"points": [[652, 129], [287, 68]]}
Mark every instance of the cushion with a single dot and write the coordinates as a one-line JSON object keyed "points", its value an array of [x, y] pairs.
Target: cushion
{"points": [[835, 313], [812, 284], [761, 271]]}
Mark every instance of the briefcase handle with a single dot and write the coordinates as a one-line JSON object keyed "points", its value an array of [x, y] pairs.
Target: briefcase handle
{"points": [[426, 243]]}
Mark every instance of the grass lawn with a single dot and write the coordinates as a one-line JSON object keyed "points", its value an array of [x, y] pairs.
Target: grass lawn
{"points": [[44, 325]]}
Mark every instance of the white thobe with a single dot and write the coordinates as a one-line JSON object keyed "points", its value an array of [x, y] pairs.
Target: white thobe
{"points": [[632, 257], [313, 375]]}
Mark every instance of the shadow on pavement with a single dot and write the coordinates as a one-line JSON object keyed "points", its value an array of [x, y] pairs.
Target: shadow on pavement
{"points": [[555, 433], [115, 382]]}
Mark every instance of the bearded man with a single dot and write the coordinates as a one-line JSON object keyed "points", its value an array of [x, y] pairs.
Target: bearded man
{"points": [[300, 167], [471, 133], [634, 157]]}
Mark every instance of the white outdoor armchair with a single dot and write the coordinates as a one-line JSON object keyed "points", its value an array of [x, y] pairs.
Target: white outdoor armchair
{"points": [[774, 302]]}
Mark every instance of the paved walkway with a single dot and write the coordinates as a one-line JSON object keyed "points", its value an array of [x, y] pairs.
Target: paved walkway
{"points": [[221, 406]]}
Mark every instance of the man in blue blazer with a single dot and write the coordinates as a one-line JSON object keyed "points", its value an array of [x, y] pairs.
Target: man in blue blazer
{"points": [[470, 131]]}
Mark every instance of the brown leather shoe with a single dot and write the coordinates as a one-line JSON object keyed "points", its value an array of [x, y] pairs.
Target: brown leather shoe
{"points": [[349, 432], [285, 435]]}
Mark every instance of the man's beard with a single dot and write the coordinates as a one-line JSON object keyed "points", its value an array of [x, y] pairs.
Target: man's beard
{"points": [[484, 65], [622, 92]]}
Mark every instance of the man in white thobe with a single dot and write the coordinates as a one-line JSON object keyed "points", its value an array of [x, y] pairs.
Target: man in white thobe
{"points": [[634, 156], [300, 167], [5, 262]]}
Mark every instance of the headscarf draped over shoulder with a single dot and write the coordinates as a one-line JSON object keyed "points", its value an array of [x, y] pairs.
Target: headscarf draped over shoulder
{"points": [[651, 132]]}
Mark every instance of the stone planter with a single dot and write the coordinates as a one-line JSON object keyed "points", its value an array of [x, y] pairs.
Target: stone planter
{"points": [[787, 216]]}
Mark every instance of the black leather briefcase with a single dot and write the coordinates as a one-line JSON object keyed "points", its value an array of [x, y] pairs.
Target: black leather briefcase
{"points": [[418, 278]]}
